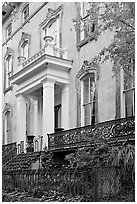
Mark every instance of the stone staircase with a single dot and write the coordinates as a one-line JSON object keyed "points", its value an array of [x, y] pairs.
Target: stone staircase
{"points": [[23, 161], [13, 161]]}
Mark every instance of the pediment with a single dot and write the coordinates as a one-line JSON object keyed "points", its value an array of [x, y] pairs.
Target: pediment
{"points": [[24, 36], [9, 51], [51, 14]]}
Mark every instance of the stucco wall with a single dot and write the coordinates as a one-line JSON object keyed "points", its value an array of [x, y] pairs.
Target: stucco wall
{"points": [[106, 84]]}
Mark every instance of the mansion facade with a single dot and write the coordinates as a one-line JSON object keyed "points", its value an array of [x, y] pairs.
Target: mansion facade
{"points": [[50, 84]]}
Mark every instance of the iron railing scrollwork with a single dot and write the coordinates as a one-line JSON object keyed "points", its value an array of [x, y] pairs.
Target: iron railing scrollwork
{"points": [[109, 130]]}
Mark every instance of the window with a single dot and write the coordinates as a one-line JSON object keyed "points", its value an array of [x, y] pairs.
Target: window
{"points": [[84, 8], [25, 49], [129, 93], [7, 127], [88, 104], [9, 30], [52, 29], [85, 24], [25, 13], [57, 113], [8, 71], [24, 45], [52, 26]]}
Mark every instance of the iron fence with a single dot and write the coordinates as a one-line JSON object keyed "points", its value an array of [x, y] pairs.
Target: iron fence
{"points": [[96, 184]]}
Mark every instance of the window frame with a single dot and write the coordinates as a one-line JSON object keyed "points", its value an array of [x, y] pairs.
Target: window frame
{"points": [[23, 46], [92, 102], [46, 28], [9, 26], [127, 90], [51, 16], [9, 69], [25, 37], [8, 58], [80, 28], [25, 16], [7, 126]]}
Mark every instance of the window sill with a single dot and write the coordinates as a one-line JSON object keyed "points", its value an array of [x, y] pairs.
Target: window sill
{"points": [[86, 40], [8, 89]]}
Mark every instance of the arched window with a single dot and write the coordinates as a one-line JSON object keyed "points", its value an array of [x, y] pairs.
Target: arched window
{"points": [[88, 99], [7, 127], [8, 63], [52, 29], [9, 30], [52, 26], [25, 13], [7, 137], [25, 49], [24, 45], [8, 70]]}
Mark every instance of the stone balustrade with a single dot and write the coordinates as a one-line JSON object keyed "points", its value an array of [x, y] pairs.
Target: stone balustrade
{"points": [[49, 49]]}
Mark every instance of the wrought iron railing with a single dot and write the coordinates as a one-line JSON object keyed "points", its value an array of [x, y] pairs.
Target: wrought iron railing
{"points": [[119, 129], [16, 150], [8, 152]]}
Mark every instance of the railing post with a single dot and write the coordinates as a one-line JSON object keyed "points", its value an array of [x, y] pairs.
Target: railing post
{"points": [[18, 148], [22, 146], [41, 141], [96, 184]]}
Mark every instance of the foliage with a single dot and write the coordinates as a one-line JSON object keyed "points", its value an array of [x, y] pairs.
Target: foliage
{"points": [[118, 17], [48, 160], [103, 154], [90, 156]]}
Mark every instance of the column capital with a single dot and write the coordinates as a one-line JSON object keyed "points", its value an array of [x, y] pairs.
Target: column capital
{"points": [[48, 81], [65, 88], [20, 96]]}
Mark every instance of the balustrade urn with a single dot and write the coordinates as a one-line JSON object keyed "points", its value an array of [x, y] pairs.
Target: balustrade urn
{"points": [[48, 39], [21, 59]]}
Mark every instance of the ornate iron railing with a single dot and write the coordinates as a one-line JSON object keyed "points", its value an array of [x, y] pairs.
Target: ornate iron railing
{"points": [[119, 129]]}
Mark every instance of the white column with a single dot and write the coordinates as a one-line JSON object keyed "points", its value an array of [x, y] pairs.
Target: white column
{"points": [[21, 119], [40, 117], [48, 109], [36, 128], [65, 107]]}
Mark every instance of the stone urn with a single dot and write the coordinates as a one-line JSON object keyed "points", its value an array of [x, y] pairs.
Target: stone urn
{"points": [[21, 59], [48, 39]]}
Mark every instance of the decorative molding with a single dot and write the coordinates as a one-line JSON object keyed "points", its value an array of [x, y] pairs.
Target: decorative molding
{"points": [[24, 36], [86, 68], [7, 108], [24, 5], [109, 131], [9, 51], [51, 14]]}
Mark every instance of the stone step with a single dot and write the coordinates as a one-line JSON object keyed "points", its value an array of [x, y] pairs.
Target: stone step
{"points": [[23, 161]]}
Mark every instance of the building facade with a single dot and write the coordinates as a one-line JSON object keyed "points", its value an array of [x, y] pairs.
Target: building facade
{"points": [[49, 80]]}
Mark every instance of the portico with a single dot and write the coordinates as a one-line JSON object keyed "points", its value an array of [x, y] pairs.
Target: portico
{"points": [[44, 82]]}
